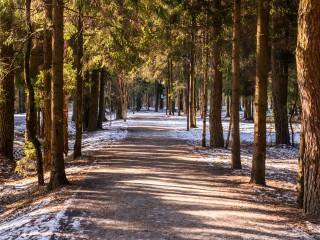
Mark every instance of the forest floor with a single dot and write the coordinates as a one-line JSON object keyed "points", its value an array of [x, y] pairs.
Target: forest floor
{"points": [[149, 179]]}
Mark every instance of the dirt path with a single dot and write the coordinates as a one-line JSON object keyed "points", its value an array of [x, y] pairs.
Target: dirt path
{"points": [[151, 187]]}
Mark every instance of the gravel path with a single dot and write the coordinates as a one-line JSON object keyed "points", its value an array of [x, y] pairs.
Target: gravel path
{"points": [[152, 187]]}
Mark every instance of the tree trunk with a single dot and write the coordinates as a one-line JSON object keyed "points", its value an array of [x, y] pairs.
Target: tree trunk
{"points": [[167, 92], [65, 125], [156, 96], [119, 109], [102, 100], [185, 67], [123, 98], [300, 181], [47, 66], [169, 87], [172, 94], [216, 131], [280, 74], [192, 107], [35, 60], [262, 70], [7, 87], [22, 100], [79, 89], [32, 113], [308, 62], [280, 95], [247, 105], [228, 106], [39, 129], [86, 101], [235, 144], [94, 98], [204, 83], [58, 175]]}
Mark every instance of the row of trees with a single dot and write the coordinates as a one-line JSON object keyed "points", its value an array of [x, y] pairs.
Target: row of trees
{"points": [[197, 50]]}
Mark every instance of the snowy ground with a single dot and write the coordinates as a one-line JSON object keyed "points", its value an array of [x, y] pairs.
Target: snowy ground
{"points": [[40, 219]]}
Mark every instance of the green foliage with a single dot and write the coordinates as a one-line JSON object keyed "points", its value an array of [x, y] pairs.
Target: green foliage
{"points": [[27, 165], [6, 11], [69, 76]]}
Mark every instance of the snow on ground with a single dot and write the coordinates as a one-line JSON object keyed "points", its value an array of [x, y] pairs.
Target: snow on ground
{"points": [[41, 219], [281, 163]]}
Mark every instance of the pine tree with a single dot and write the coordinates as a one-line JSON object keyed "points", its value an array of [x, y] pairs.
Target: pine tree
{"points": [[216, 131], [79, 85], [262, 71], [308, 62], [47, 67], [31, 109], [235, 145], [58, 175], [6, 80]]}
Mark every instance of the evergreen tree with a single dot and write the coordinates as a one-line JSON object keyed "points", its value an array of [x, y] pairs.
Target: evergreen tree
{"points": [[308, 62], [262, 71], [57, 175], [6, 79]]}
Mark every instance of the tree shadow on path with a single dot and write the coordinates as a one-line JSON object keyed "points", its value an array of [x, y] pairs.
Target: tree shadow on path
{"points": [[148, 187]]}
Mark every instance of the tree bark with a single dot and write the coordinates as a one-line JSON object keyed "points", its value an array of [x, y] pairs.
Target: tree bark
{"points": [[247, 107], [280, 95], [308, 62], [280, 75], [169, 86], [22, 100], [79, 89], [94, 98], [86, 101], [7, 87], [122, 104], [228, 106], [300, 181], [47, 66], [65, 124], [32, 113], [156, 96], [205, 82], [235, 144], [192, 108], [58, 175], [102, 100], [216, 130], [172, 95], [262, 70]]}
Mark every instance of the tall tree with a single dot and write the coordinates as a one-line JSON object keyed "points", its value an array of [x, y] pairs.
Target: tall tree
{"points": [[31, 109], [281, 56], [262, 70], [93, 114], [102, 100], [308, 62], [235, 102], [216, 130], [58, 175], [79, 85], [6, 80], [79, 88], [192, 108], [47, 66], [205, 81]]}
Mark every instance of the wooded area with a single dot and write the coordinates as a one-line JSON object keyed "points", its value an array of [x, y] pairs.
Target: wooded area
{"points": [[258, 60]]}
